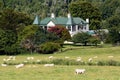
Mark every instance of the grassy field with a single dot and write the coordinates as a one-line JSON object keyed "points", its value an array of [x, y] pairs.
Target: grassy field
{"points": [[65, 72]]}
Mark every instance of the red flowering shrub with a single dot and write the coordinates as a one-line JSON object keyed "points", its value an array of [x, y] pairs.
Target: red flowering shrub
{"points": [[61, 32]]}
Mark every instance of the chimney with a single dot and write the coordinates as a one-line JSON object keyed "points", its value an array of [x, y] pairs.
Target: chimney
{"points": [[87, 20], [52, 15], [87, 25], [69, 15]]}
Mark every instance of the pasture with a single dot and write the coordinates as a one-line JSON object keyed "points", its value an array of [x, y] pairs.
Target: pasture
{"points": [[64, 72]]}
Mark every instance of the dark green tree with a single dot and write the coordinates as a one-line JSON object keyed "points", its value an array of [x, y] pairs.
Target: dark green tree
{"points": [[43, 36], [10, 24], [109, 7], [86, 10], [11, 20], [114, 29]]}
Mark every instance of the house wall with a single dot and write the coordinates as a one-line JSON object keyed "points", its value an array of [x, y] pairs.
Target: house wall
{"points": [[50, 24]]}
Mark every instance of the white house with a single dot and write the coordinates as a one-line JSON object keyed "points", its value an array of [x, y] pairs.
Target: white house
{"points": [[73, 24]]}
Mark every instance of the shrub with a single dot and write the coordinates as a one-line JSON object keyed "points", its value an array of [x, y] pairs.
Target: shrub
{"points": [[49, 47], [112, 63], [94, 40], [101, 63], [13, 50]]}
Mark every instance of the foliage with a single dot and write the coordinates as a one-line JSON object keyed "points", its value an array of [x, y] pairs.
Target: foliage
{"points": [[94, 40], [86, 10], [61, 32], [109, 8], [114, 36], [49, 47], [114, 29], [7, 38], [41, 7], [11, 23], [11, 20], [43, 36], [81, 38]]}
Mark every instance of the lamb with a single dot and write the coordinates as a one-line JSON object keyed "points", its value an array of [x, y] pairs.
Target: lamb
{"points": [[19, 66], [79, 71]]}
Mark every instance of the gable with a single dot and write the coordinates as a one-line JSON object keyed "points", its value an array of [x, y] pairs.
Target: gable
{"points": [[51, 23]]}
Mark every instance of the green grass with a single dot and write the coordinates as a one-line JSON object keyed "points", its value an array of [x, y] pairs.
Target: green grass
{"points": [[39, 72], [64, 72]]}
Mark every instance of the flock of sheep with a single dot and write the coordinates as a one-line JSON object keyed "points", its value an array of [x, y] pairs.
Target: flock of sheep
{"points": [[77, 71]]}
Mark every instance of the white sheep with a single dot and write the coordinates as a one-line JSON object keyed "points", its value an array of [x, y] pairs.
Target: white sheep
{"points": [[110, 56], [19, 66], [49, 65], [78, 60], [4, 65], [50, 57], [90, 59], [30, 58], [38, 60], [95, 57], [66, 57], [80, 71]]}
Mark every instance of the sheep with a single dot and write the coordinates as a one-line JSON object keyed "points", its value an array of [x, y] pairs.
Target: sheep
{"points": [[110, 56], [49, 65], [30, 58], [78, 60], [90, 59], [38, 60], [50, 57], [11, 57], [80, 71], [66, 57], [4, 59], [19, 66], [4, 65], [95, 57]]}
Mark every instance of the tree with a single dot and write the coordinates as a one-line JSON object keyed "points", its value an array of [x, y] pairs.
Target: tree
{"points": [[10, 24], [81, 38], [11, 20], [114, 29], [86, 10], [43, 36], [26, 37], [109, 7], [7, 40], [61, 32]]}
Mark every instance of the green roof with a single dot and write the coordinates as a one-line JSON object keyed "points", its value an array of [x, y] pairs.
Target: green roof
{"points": [[61, 21], [37, 20]]}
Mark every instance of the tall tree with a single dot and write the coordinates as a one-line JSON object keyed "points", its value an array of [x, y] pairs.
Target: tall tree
{"points": [[11, 20], [86, 10], [108, 8], [114, 29]]}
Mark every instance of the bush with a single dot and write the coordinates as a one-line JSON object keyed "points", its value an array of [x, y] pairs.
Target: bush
{"points": [[49, 47], [94, 40], [13, 50]]}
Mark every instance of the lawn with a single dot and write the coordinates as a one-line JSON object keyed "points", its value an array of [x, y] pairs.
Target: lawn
{"points": [[39, 72], [65, 72]]}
